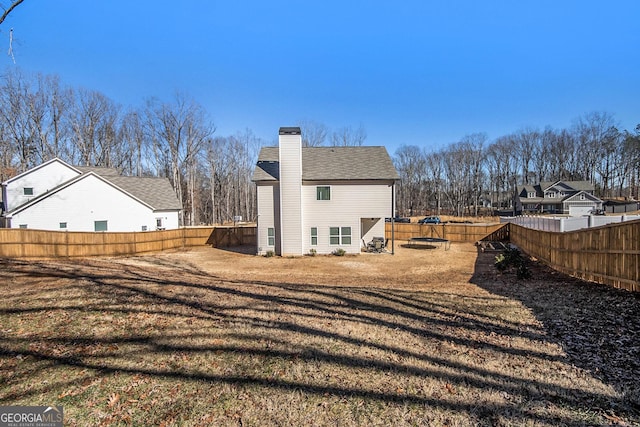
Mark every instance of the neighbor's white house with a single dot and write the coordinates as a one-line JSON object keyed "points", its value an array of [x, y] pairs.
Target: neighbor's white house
{"points": [[58, 196], [321, 198]]}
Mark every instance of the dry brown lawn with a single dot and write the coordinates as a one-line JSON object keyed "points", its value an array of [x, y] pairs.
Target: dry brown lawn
{"points": [[425, 337]]}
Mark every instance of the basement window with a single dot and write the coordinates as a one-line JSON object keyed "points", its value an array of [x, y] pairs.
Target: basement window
{"points": [[63, 225], [323, 193], [100, 225], [28, 191]]}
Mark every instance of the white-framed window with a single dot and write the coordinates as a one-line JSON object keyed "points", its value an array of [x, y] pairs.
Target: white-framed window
{"points": [[144, 228], [582, 197], [339, 235], [271, 236], [99, 225], [28, 191], [323, 193], [63, 225], [314, 236], [551, 194], [23, 226], [531, 194]]}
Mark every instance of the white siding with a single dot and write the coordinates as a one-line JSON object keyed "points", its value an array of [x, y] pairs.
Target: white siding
{"points": [[290, 194], [41, 179], [170, 220], [87, 200], [268, 206], [349, 204]]}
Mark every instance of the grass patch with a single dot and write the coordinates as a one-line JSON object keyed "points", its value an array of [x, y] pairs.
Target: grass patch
{"points": [[228, 339]]}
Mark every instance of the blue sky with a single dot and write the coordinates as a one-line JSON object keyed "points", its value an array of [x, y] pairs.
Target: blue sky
{"points": [[420, 73]]}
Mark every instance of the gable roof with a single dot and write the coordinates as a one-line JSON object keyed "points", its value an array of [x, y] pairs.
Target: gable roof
{"points": [[331, 164], [156, 193], [587, 196], [40, 166]]}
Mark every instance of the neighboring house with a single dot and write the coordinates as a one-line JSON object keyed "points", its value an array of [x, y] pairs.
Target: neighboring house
{"points": [[574, 198], [57, 196], [321, 198]]}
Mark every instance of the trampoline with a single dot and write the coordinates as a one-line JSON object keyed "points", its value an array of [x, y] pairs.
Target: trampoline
{"points": [[414, 241]]}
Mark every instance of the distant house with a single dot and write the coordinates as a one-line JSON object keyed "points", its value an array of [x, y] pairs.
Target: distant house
{"points": [[58, 196], [574, 198], [321, 198]]}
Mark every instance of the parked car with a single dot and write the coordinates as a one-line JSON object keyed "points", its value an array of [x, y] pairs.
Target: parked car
{"points": [[398, 219], [430, 220]]}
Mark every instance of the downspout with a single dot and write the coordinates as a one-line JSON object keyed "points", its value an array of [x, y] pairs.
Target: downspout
{"points": [[393, 211]]}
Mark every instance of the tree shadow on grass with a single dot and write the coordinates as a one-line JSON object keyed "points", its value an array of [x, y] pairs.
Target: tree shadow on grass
{"points": [[328, 328], [597, 326]]}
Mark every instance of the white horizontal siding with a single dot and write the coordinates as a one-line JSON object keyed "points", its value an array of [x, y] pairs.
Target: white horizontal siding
{"points": [[267, 200], [348, 205], [87, 200], [290, 194], [41, 180]]}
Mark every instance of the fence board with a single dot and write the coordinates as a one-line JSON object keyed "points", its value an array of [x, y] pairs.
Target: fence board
{"points": [[452, 232], [21, 243], [609, 254]]}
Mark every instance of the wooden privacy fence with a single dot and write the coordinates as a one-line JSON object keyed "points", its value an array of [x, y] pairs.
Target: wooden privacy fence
{"points": [[233, 236], [24, 243], [608, 254], [452, 232]]}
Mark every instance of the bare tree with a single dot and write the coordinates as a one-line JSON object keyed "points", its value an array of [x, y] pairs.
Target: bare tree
{"points": [[314, 134], [347, 136], [528, 140], [435, 167], [411, 166], [180, 131], [14, 113], [8, 10]]}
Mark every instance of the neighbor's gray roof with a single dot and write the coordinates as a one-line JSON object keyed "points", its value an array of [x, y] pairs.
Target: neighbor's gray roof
{"points": [[99, 170], [576, 185], [156, 192], [331, 163]]}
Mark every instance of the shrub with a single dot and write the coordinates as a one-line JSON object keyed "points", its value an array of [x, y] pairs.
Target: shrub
{"points": [[511, 258], [339, 252], [312, 252], [269, 254]]}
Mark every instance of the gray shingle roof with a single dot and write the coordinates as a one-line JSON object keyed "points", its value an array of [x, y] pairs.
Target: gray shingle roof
{"points": [[331, 164], [102, 171], [156, 192], [576, 185]]}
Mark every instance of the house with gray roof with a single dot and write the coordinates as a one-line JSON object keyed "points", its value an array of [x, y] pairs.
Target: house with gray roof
{"points": [[58, 196], [319, 199], [573, 198]]}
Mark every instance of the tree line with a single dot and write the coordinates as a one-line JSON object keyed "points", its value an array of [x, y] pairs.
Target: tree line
{"points": [[41, 118], [475, 175]]}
